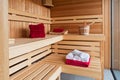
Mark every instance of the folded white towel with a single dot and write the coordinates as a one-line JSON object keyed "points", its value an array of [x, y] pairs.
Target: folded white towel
{"points": [[76, 58], [76, 52], [84, 57], [78, 55], [70, 56]]}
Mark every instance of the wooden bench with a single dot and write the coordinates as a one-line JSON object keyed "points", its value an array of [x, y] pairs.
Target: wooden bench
{"points": [[39, 71], [25, 59], [92, 44], [39, 64], [30, 67]]}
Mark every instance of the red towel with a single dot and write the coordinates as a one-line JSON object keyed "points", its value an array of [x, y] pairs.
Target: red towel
{"points": [[77, 63], [37, 31]]}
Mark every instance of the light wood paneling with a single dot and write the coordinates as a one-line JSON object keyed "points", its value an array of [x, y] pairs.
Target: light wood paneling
{"points": [[4, 68], [19, 23], [19, 62], [26, 45], [107, 29], [68, 8], [39, 71], [75, 28], [91, 44], [76, 7], [64, 8]]}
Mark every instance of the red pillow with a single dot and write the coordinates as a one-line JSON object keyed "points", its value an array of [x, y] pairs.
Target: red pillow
{"points": [[37, 31]]}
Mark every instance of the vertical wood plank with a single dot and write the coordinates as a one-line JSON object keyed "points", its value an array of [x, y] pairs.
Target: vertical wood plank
{"points": [[107, 33], [4, 67]]}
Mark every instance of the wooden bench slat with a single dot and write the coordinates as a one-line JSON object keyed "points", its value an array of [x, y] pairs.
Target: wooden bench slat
{"points": [[35, 73], [53, 74], [94, 69], [17, 67], [27, 71], [60, 59], [76, 47], [27, 55], [79, 43], [44, 72], [67, 51]]}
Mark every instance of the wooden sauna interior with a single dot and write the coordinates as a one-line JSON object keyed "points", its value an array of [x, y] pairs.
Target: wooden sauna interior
{"points": [[17, 15]]}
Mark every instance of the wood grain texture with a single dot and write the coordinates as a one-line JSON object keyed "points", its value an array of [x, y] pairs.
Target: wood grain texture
{"points": [[27, 59], [26, 45], [66, 8], [76, 7], [83, 43], [107, 32], [4, 68], [75, 28], [39, 71], [19, 28]]}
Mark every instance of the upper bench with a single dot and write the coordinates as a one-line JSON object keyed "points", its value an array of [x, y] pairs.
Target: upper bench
{"points": [[25, 45]]}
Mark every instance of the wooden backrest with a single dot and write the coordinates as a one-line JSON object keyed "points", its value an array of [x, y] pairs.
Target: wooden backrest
{"points": [[20, 62], [88, 44]]}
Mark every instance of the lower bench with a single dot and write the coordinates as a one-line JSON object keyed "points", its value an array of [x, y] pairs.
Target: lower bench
{"points": [[94, 70], [39, 71]]}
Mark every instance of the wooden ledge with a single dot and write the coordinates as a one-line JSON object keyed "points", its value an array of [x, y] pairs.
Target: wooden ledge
{"points": [[25, 45], [93, 37]]}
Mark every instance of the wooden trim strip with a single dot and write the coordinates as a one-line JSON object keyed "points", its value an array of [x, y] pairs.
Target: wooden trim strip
{"points": [[26, 19], [79, 43], [22, 13], [91, 37], [40, 56], [78, 19], [76, 47], [67, 51]]}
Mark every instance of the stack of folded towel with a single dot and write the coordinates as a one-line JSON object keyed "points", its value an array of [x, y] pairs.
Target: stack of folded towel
{"points": [[78, 58]]}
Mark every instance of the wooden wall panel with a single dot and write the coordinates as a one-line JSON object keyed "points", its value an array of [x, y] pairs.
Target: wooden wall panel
{"points": [[75, 28], [20, 29], [63, 8], [76, 8]]}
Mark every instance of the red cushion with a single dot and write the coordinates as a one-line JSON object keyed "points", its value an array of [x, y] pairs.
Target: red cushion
{"points": [[77, 63], [37, 31], [58, 30]]}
